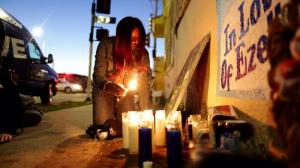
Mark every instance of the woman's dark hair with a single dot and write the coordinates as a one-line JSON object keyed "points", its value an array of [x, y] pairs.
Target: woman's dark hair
{"points": [[122, 51]]}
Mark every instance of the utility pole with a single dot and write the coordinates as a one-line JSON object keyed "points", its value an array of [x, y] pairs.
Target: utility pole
{"points": [[154, 39], [88, 96], [103, 6]]}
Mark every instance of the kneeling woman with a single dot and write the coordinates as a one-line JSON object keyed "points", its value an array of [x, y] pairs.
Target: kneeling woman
{"points": [[118, 60]]}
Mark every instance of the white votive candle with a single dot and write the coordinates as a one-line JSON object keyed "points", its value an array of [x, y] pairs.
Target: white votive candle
{"points": [[133, 122], [160, 131], [125, 130]]}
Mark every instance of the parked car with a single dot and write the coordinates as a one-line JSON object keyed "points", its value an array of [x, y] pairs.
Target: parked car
{"points": [[75, 78], [68, 87], [21, 57]]}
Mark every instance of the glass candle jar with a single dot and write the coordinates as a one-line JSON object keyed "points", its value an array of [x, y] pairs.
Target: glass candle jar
{"points": [[133, 122], [174, 144], [145, 137]]}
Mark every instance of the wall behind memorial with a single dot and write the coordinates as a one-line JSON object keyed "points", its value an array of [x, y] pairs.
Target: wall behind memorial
{"points": [[237, 64]]}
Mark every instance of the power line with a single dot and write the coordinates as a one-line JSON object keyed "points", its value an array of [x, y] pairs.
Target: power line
{"points": [[151, 4], [158, 7]]}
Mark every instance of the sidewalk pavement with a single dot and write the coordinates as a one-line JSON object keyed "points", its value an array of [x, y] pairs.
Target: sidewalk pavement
{"points": [[58, 141]]}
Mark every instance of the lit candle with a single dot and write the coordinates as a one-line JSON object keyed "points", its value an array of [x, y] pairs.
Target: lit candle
{"points": [[125, 131], [145, 136], [160, 131], [174, 117], [174, 148], [133, 131], [145, 145], [148, 115], [174, 145]]}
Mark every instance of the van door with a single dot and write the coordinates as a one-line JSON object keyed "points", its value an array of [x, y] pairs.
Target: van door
{"points": [[37, 72]]}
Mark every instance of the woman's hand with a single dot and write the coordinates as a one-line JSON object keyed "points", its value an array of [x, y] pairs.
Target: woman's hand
{"points": [[115, 89]]}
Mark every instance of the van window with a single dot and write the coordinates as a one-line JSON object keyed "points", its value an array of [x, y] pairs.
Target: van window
{"points": [[34, 52]]}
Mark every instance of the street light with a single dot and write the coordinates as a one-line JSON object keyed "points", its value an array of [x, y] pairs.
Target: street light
{"points": [[37, 32]]}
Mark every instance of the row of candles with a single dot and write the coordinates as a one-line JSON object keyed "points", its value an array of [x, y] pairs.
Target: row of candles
{"points": [[142, 131], [133, 120], [139, 137]]}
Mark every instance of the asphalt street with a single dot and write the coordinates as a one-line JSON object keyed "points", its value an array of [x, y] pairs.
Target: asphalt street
{"points": [[61, 97], [59, 141]]}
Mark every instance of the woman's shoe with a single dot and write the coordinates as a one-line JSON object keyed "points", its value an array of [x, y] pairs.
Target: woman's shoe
{"points": [[111, 132], [107, 131], [92, 130]]}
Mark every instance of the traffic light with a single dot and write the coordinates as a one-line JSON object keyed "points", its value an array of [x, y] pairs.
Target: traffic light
{"points": [[150, 23], [101, 34], [147, 40], [103, 6]]}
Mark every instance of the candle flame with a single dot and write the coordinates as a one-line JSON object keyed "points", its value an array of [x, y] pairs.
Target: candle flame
{"points": [[132, 85]]}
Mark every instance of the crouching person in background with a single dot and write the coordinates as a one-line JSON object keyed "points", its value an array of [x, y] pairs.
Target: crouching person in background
{"points": [[17, 111]]}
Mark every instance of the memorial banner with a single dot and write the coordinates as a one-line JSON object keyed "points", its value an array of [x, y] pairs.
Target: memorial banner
{"points": [[242, 47]]}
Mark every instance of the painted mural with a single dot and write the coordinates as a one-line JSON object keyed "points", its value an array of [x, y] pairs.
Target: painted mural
{"points": [[242, 47]]}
